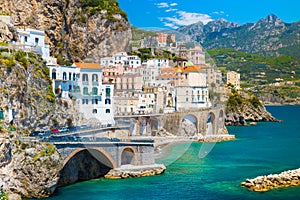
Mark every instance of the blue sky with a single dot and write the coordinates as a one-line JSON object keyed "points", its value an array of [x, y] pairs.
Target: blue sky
{"points": [[175, 13]]}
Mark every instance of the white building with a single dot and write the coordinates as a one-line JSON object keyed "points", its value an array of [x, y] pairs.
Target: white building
{"points": [[84, 82], [121, 58], [146, 103], [34, 40]]}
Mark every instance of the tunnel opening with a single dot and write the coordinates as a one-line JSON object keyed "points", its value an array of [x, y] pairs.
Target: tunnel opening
{"points": [[84, 165]]}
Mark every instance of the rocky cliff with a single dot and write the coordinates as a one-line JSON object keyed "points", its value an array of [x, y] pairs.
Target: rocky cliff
{"points": [[248, 113], [29, 170], [75, 29], [25, 90], [242, 109]]}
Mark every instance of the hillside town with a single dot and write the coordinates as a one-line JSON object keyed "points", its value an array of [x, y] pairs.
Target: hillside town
{"points": [[123, 84]]}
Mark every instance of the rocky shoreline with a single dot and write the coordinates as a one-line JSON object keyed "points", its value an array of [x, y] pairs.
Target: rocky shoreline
{"points": [[131, 171], [273, 181], [247, 114]]}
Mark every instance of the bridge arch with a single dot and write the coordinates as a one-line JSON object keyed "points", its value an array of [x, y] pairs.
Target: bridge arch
{"points": [[210, 123], [189, 125], [85, 164], [99, 149], [128, 156]]}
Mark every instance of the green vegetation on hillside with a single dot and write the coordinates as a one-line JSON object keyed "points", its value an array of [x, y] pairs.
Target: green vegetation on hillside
{"points": [[255, 69], [147, 53], [236, 100], [138, 33], [112, 7]]}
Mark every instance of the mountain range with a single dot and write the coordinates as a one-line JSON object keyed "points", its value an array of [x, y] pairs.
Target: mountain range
{"points": [[269, 36]]}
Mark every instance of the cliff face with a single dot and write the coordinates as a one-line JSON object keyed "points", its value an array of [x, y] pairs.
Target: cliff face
{"points": [[29, 170], [75, 29], [25, 87]]}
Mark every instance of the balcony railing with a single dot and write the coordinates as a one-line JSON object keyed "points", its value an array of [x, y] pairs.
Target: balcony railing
{"points": [[94, 83], [85, 83]]}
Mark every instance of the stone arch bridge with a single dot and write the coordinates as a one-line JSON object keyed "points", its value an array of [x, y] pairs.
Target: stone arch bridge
{"points": [[198, 122]]}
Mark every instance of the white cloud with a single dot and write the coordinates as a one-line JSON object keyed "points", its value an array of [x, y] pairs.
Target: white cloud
{"points": [[171, 10], [162, 5], [173, 4], [218, 13], [184, 18]]}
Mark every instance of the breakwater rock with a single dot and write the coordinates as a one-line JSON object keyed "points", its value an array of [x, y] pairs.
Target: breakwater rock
{"points": [[273, 181], [130, 171], [29, 170]]}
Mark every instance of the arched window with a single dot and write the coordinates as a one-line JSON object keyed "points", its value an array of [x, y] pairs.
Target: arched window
{"points": [[94, 91], [64, 76], [107, 111], [94, 111], [107, 101], [107, 91], [85, 91], [76, 89], [70, 76], [95, 78], [74, 77], [54, 74], [85, 77]]}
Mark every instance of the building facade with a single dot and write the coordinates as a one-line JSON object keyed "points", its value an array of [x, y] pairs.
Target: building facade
{"points": [[233, 78]]}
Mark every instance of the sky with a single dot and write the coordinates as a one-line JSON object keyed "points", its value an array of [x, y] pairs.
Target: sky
{"points": [[166, 14]]}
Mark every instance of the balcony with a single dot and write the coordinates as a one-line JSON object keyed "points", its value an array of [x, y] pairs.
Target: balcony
{"points": [[94, 83], [85, 83]]}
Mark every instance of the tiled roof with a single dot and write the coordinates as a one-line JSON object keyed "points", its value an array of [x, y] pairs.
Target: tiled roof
{"points": [[87, 65]]}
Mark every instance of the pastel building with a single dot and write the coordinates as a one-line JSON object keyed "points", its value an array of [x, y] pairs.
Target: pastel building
{"points": [[196, 55], [233, 78]]}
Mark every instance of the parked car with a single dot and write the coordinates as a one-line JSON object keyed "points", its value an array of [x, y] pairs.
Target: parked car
{"points": [[34, 133], [73, 128], [55, 130], [63, 130]]}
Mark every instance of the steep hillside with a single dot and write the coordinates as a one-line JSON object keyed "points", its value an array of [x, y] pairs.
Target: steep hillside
{"points": [[25, 86], [269, 36], [75, 29], [273, 80]]}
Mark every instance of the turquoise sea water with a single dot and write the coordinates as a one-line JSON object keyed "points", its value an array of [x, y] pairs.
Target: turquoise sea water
{"points": [[259, 150]]}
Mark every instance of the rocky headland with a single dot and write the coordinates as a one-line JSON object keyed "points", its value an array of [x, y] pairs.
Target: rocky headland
{"points": [[273, 181], [248, 113]]}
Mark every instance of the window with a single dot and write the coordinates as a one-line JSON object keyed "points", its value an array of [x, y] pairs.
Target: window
{"points": [[85, 77], [74, 76], [36, 41], [95, 78], [64, 76], [70, 76], [186, 99], [85, 91], [107, 111], [54, 74], [85, 101], [25, 38], [94, 111], [94, 91], [107, 101]]}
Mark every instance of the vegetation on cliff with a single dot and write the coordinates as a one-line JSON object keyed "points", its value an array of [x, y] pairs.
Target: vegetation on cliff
{"points": [[26, 88], [75, 29]]}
